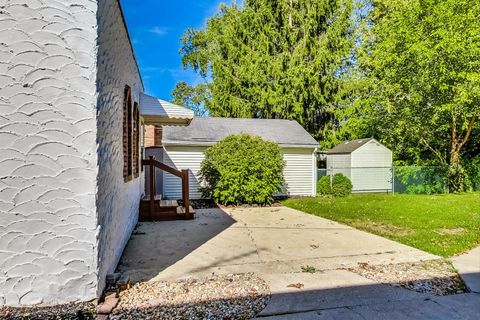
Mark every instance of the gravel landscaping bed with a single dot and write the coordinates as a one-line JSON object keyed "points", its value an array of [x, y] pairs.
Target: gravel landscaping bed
{"points": [[436, 277], [73, 311], [200, 203], [210, 204], [239, 296]]}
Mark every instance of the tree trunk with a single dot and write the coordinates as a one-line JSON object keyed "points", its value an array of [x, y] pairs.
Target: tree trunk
{"points": [[290, 18], [456, 173], [457, 177]]}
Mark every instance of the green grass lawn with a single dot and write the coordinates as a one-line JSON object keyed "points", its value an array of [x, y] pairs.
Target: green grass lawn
{"points": [[445, 225]]}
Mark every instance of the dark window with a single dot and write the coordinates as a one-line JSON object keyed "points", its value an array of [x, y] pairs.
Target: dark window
{"points": [[127, 137], [131, 137], [136, 140]]}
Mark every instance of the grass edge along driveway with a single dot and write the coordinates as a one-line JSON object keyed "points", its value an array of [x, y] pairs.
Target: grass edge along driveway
{"points": [[445, 225]]}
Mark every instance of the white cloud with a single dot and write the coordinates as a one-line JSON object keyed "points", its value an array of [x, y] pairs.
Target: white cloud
{"points": [[160, 31]]}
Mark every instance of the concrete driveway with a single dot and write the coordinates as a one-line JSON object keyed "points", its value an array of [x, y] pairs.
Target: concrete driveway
{"points": [[275, 242]]}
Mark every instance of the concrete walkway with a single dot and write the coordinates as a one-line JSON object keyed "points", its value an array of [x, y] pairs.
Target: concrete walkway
{"points": [[267, 241], [456, 307], [468, 266], [275, 243]]}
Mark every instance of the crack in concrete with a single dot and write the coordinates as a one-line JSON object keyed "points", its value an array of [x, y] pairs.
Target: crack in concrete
{"points": [[307, 259], [252, 238], [356, 312], [292, 228]]}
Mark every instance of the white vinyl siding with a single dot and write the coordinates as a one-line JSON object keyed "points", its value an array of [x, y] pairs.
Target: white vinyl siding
{"points": [[368, 167], [372, 168], [372, 154], [339, 163], [365, 180], [299, 172], [182, 158]]}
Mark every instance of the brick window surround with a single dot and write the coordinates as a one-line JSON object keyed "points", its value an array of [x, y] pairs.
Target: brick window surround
{"points": [[131, 137]]}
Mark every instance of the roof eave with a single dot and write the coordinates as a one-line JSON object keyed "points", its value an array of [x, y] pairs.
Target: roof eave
{"points": [[211, 143], [339, 152], [165, 120]]}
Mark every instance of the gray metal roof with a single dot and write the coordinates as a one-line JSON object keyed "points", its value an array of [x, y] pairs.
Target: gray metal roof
{"points": [[207, 131], [349, 146], [153, 109]]}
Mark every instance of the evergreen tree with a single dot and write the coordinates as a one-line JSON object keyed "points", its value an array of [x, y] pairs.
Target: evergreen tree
{"points": [[276, 59]]}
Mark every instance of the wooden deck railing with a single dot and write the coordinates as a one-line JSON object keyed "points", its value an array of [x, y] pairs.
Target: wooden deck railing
{"points": [[183, 174]]}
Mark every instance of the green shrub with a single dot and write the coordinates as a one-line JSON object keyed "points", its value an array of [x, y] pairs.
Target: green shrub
{"points": [[323, 186], [420, 180], [473, 169], [242, 169], [341, 185]]}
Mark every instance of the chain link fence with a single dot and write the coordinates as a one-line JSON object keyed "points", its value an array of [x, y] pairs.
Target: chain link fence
{"points": [[397, 179], [420, 180]]}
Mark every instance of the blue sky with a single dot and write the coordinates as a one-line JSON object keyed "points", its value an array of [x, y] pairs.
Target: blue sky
{"points": [[156, 27]]}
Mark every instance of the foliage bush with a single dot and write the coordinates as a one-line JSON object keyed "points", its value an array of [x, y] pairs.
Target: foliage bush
{"points": [[242, 169], [420, 180], [341, 185], [323, 186], [473, 170]]}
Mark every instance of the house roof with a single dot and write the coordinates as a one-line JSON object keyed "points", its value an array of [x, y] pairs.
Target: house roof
{"points": [[349, 146], [207, 131], [157, 111]]}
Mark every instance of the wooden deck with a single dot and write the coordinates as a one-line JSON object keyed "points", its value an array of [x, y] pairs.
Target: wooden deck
{"points": [[164, 210], [154, 208]]}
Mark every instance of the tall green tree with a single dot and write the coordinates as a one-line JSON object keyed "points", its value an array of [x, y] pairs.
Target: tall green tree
{"points": [[421, 61], [195, 98], [275, 59]]}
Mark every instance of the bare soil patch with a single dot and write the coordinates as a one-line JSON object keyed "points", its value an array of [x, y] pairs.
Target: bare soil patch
{"points": [[384, 229], [451, 231]]}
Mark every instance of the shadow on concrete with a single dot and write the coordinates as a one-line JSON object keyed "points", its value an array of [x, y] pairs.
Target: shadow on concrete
{"points": [[376, 301], [155, 246], [332, 293], [346, 303]]}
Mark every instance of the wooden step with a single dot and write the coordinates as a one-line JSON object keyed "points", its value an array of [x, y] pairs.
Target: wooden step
{"points": [[158, 197], [181, 210], [167, 207], [168, 203], [164, 210]]}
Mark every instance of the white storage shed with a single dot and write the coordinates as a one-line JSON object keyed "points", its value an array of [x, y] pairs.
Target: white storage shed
{"points": [[184, 148], [366, 162]]}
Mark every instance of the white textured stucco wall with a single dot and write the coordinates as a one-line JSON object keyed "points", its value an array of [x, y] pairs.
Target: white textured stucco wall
{"points": [[48, 158], [117, 202], [65, 211]]}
